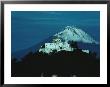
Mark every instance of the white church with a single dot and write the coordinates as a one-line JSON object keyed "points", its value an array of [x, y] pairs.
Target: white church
{"points": [[57, 45]]}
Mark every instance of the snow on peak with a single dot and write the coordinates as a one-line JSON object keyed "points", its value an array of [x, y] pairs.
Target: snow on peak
{"points": [[71, 33]]}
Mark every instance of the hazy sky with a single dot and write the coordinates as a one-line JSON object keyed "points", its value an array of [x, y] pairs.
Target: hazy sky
{"points": [[31, 27]]}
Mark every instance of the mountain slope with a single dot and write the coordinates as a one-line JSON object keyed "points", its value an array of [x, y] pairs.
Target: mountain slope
{"points": [[34, 48], [74, 34]]}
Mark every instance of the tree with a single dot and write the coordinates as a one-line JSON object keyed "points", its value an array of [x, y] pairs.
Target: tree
{"points": [[43, 46], [73, 44], [54, 51]]}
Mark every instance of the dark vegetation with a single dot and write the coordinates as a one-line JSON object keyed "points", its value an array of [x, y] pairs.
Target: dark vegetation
{"points": [[62, 64]]}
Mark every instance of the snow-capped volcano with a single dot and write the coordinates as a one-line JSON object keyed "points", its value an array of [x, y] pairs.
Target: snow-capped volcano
{"points": [[71, 33], [61, 40]]}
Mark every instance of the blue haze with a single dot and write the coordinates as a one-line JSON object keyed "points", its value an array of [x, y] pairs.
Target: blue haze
{"points": [[31, 27]]}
